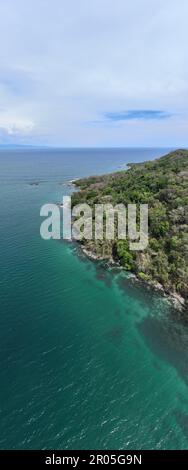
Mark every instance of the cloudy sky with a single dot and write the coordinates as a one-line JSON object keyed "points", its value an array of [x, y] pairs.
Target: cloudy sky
{"points": [[94, 72]]}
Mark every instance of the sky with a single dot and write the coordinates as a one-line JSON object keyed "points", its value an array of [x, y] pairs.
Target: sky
{"points": [[94, 73]]}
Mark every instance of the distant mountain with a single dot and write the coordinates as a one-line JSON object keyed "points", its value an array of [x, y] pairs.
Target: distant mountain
{"points": [[19, 146]]}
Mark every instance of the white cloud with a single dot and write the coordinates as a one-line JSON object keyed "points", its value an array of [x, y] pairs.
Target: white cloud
{"points": [[66, 63], [16, 126]]}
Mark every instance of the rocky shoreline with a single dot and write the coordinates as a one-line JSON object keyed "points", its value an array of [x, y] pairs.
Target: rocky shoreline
{"points": [[177, 300], [162, 184]]}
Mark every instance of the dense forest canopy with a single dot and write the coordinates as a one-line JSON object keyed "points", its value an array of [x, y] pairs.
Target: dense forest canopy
{"points": [[163, 185]]}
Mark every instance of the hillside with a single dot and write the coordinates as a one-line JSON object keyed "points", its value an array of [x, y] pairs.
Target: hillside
{"points": [[163, 185]]}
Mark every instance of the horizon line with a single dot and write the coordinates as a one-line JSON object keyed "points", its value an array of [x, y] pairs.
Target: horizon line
{"points": [[59, 147]]}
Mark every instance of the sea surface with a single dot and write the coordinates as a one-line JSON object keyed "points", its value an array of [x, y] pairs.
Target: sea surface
{"points": [[89, 358]]}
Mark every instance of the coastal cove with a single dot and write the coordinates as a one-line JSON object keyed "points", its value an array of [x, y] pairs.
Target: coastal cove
{"points": [[90, 358]]}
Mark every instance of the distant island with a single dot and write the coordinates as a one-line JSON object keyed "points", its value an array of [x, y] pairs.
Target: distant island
{"points": [[163, 185]]}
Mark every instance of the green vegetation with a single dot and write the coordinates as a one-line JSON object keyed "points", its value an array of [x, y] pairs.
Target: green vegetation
{"points": [[163, 185]]}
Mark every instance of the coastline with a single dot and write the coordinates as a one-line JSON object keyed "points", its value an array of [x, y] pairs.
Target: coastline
{"points": [[177, 300], [88, 323]]}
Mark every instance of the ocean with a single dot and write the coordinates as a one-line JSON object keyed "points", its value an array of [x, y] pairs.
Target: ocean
{"points": [[89, 358]]}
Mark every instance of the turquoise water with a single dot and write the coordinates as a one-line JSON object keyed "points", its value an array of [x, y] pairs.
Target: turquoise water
{"points": [[89, 358]]}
